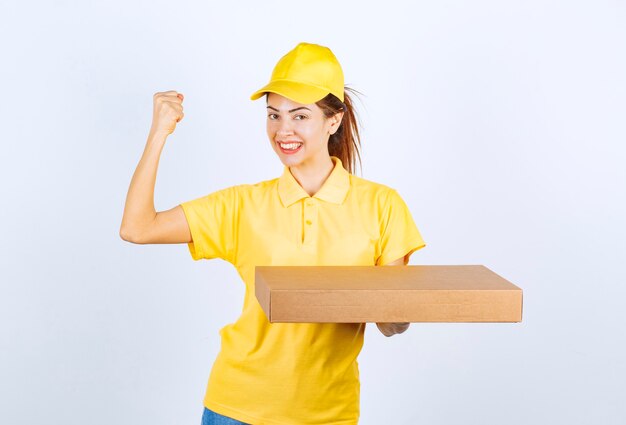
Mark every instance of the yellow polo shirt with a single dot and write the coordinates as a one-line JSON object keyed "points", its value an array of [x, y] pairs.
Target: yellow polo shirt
{"points": [[295, 373]]}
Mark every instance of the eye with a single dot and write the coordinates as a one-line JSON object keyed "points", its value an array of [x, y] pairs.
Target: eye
{"points": [[301, 117], [272, 116]]}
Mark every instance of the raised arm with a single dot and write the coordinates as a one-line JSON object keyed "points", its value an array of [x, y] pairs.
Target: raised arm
{"points": [[140, 222]]}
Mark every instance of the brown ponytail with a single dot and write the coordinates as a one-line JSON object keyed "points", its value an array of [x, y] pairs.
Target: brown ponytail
{"points": [[346, 141]]}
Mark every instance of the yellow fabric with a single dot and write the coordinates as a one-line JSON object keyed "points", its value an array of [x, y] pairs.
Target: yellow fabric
{"points": [[295, 373], [306, 74]]}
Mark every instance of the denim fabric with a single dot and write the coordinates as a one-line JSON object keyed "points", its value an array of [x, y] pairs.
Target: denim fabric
{"points": [[209, 417]]}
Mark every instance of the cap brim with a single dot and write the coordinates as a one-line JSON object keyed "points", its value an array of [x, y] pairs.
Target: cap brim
{"points": [[296, 91]]}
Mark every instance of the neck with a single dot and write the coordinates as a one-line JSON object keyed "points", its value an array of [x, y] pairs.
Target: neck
{"points": [[312, 176]]}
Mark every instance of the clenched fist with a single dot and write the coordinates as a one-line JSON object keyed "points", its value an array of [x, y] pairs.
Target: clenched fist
{"points": [[167, 111]]}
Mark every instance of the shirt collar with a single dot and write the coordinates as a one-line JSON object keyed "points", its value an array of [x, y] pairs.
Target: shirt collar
{"points": [[333, 190]]}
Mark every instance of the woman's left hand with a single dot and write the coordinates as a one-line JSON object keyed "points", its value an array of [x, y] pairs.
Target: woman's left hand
{"points": [[389, 329]]}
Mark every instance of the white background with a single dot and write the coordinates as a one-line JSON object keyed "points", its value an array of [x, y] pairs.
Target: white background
{"points": [[501, 124]]}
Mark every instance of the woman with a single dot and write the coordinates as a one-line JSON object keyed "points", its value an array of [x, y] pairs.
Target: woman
{"points": [[316, 213]]}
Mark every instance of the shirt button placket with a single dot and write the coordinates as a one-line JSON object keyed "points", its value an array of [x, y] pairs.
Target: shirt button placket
{"points": [[310, 221]]}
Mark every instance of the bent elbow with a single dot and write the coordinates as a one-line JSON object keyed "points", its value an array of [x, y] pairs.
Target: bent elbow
{"points": [[127, 235]]}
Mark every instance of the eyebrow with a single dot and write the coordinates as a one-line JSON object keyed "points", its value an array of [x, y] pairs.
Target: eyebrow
{"points": [[292, 110]]}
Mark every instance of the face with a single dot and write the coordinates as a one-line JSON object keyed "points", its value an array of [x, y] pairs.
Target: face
{"points": [[303, 126]]}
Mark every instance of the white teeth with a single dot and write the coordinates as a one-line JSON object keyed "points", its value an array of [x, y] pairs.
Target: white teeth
{"points": [[291, 146]]}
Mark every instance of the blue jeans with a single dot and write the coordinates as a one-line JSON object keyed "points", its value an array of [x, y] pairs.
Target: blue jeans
{"points": [[209, 417]]}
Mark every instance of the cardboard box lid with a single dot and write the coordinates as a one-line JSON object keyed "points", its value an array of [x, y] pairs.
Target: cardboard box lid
{"points": [[425, 293]]}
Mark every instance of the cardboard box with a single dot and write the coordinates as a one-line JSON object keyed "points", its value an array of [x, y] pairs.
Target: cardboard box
{"points": [[353, 294]]}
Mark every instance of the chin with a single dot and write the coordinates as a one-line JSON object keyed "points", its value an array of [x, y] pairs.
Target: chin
{"points": [[290, 159]]}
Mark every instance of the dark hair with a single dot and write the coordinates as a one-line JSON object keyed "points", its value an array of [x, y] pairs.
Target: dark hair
{"points": [[346, 141]]}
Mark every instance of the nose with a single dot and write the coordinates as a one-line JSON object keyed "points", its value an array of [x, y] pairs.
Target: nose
{"points": [[285, 128]]}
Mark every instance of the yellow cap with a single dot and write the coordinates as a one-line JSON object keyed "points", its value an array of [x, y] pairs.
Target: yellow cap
{"points": [[305, 74]]}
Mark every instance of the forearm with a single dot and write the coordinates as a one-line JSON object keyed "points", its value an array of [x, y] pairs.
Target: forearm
{"points": [[139, 208], [389, 329]]}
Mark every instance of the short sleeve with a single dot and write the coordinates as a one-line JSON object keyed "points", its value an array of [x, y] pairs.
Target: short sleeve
{"points": [[399, 236], [212, 222]]}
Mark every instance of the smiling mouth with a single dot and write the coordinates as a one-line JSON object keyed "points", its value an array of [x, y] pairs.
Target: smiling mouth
{"points": [[290, 146]]}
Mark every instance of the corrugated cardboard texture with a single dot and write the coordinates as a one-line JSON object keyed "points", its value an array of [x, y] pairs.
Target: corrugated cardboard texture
{"points": [[353, 294]]}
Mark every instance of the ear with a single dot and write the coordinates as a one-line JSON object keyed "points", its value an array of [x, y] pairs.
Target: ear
{"points": [[335, 122]]}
